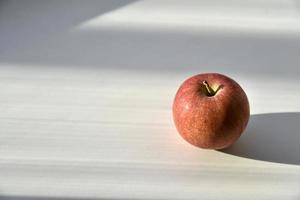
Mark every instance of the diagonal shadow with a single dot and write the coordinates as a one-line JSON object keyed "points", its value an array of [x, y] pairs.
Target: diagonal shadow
{"points": [[270, 137], [25, 24], [36, 33], [162, 51]]}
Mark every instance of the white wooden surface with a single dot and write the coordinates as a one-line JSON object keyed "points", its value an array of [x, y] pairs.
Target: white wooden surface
{"points": [[86, 90]]}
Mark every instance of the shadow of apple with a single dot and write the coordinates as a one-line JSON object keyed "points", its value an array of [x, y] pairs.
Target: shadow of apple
{"points": [[270, 137]]}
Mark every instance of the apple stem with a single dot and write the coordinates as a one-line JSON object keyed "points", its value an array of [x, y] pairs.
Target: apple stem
{"points": [[209, 90]]}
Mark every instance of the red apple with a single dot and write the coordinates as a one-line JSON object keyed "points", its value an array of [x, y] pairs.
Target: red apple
{"points": [[210, 111]]}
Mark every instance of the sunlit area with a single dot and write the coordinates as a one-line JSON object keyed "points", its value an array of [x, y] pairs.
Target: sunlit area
{"points": [[247, 16]]}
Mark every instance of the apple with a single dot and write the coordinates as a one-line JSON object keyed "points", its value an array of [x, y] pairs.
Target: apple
{"points": [[210, 110]]}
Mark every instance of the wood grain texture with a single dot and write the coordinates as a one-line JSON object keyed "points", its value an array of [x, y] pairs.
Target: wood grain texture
{"points": [[103, 129]]}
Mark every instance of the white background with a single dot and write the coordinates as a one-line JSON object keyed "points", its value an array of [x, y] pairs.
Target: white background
{"points": [[86, 90]]}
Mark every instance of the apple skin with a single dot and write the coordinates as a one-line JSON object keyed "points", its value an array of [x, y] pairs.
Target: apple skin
{"points": [[210, 122]]}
